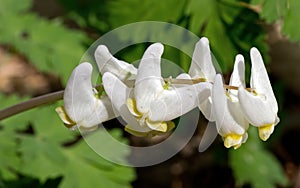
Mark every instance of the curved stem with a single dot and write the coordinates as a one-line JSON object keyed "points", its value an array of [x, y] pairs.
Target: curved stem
{"points": [[58, 95], [31, 103]]}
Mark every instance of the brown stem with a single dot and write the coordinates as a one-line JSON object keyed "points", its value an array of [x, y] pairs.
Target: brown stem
{"points": [[236, 88], [31, 103]]}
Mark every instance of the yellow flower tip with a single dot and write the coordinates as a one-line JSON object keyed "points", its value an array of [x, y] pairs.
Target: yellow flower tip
{"points": [[68, 122], [136, 133], [152, 133], [87, 129], [233, 140], [237, 146], [265, 131], [158, 126], [131, 104], [170, 125]]}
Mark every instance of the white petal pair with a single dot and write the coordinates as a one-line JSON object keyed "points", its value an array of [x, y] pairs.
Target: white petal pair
{"points": [[259, 107], [202, 67], [151, 103], [230, 121], [235, 109], [83, 106]]}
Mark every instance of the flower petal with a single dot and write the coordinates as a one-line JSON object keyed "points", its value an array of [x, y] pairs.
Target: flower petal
{"points": [[202, 65], [260, 80], [149, 81], [229, 119], [257, 110], [183, 76], [80, 102], [116, 90], [238, 75], [161, 126], [265, 131], [119, 93], [177, 101], [260, 108], [107, 63], [206, 107]]}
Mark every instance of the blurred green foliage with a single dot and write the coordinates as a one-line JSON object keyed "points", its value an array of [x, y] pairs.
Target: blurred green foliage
{"points": [[34, 149], [34, 145], [39, 147], [255, 165], [47, 44]]}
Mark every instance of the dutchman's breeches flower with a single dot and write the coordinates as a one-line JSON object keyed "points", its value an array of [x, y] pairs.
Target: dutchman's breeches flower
{"points": [[152, 102], [259, 107], [230, 121], [84, 107], [202, 67], [108, 63]]}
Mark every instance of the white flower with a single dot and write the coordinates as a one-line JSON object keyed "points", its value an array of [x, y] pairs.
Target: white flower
{"points": [[230, 121], [107, 63], [83, 106], [152, 102], [260, 107], [202, 67]]}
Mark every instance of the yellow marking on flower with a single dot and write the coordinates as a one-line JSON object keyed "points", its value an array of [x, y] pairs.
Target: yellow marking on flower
{"points": [[265, 131], [166, 85], [68, 122], [157, 127], [170, 126], [131, 104], [233, 140], [228, 96]]}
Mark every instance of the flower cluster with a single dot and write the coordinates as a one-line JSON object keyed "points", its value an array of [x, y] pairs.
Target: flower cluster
{"points": [[148, 102]]}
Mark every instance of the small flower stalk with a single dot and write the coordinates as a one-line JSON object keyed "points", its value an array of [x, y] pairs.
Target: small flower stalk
{"points": [[150, 104]]}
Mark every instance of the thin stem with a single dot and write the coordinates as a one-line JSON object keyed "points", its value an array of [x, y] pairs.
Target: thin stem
{"points": [[236, 88], [31, 103], [55, 96]]}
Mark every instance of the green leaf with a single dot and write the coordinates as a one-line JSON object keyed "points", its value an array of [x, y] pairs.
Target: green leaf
{"points": [[79, 165], [8, 155], [255, 165], [291, 21], [128, 11], [274, 10], [13, 7], [47, 44], [47, 125], [271, 11], [210, 22], [39, 152], [282, 10]]}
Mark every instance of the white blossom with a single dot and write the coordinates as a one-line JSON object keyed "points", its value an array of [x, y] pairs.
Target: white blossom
{"points": [[152, 102], [202, 67], [259, 107], [230, 121], [84, 107], [108, 63]]}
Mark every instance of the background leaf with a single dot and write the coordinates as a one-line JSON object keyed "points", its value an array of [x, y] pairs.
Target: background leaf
{"points": [[254, 165]]}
